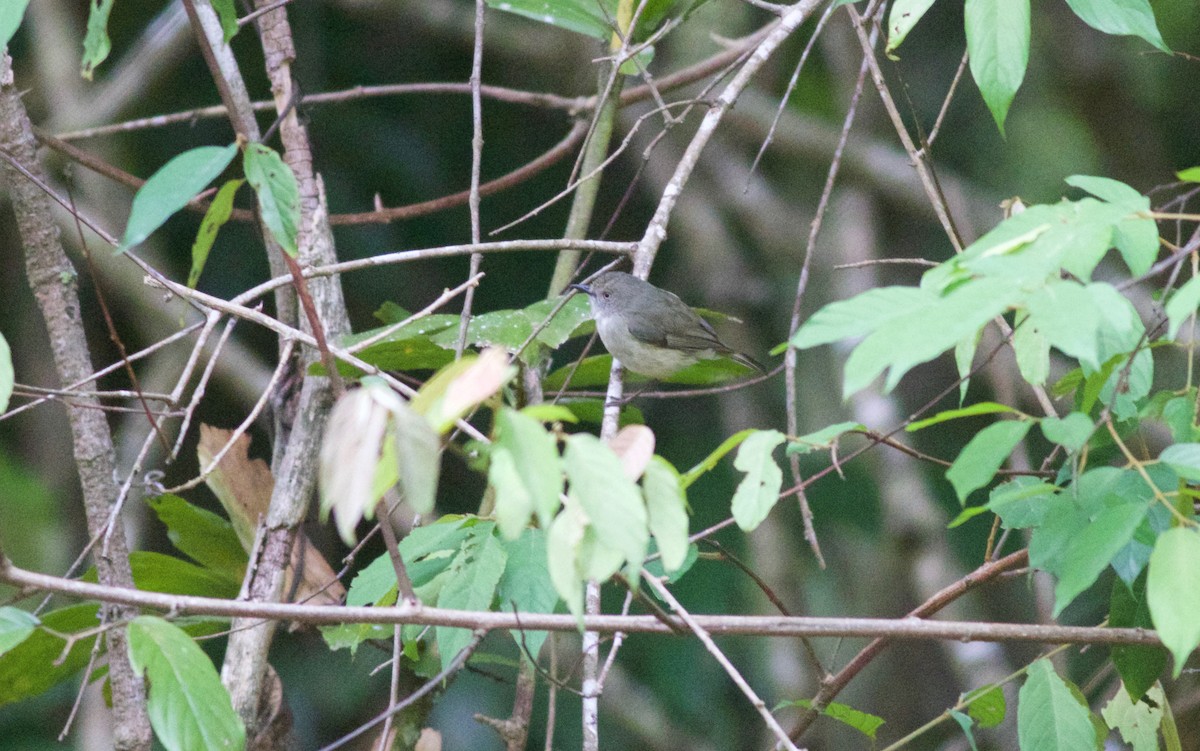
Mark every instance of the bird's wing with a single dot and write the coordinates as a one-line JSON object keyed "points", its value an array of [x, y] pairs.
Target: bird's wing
{"points": [[675, 325]]}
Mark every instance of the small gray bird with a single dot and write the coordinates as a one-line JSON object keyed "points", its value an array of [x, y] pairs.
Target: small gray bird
{"points": [[650, 330]]}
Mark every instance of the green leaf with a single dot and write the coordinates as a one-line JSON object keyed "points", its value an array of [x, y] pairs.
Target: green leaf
{"points": [[901, 20], [1064, 313], [666, 506], [867, 724], [15, 627], [531, 455], [11, 13], [612, 502], [1135, 238], [500, 328], [1139, 665], [581, 16], [1173, 591], [824, 438], [710, 461], [550, 413], [96, 45], [1189, 175], [858, 316], [471, 587], [227, 14], [418, 455], [38, 662], [980, 408], [964, 358], [218, 213], [1031, 350], [188, 706], [202, 535], [758, 491], [563, 542], [592, 411], [1021, 502], [998, 44], [987, 705], [169, 190], [1049, 717], [1070, 432], [566, 324], [1182, 305], [1089, 553], [526, 585], [1121, 17], [1136, 721], [1184, 458], [965, 722], [983, 455], [278, 194], [8, 377], [594, 371]]}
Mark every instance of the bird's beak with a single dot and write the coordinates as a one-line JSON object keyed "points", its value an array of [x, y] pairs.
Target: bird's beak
{"points": [[585, 289]]}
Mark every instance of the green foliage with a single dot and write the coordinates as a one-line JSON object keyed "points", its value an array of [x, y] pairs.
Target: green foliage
{"points": [[38, 662], [278, 194], [227, 14], [867, 724], [15, 627], [205, 537], [1137, 721], [189, 708], [170, 188], [998, 45], [824, 438], [758, 491], [96, 45], [1173, 591], [218, 213], [1138, 665], [10, 19], [983, 455], [1050, 716]]}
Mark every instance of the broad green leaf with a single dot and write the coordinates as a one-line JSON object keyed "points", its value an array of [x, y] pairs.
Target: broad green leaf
{"points": [[987, 705], [11, 13], [964, 721], [1031, 349], [278, 194], [867, 724], [612, 502], [499, 328], [1064, 313], [1089, 552], [472, 586], [1136, 239], [1173, 592], [824, 438], [413, 352], [666, 506], [218, 213], [858, 316], [1070, 432], [563, 541], [1049, 717], [1189, 175], [1184, 458], [169, 190], [550, 413], [535, 462], [964, 359], [567, 323], [1121, 17], [227, 14], [8, 378], [998, 44], [1139, 665], [758, 491], [15, 627], [1021, 502], [514, 504], [1136, 721], [202, 535], [980, 408], [592, 411], [594, 371], [418, 455], [920, 334], [983, 455], [901, 20], [188, 706], [1182, 305], [96, 44], [38, 663], [525, 586], [158, 572], [710, 461], [580, 16]]}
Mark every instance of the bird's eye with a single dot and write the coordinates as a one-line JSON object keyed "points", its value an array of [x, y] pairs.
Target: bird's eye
{"points": [[606, 295]]}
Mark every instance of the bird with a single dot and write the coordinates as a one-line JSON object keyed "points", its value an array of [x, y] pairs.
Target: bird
{"points": [[650, 330]]}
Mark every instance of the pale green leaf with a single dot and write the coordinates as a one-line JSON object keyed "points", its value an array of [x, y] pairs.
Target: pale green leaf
{"points": [[218, 213], [1049, 717], [170, 188], [11, 13], [1182, 305], [1136, 721], [1173, 591], [96, 44], [666, 506], [470, 586], [525, 585], [1065, 313], [824, 438], [1031, 350], [612, 502], [758, 491], [563, 542], [1089, 552], [1135, 238], [1184, 458], [278, 194], [901, 20], [1070, 432], [858, 316], [189, 708], [418, 455], [15, 627], [964, 359], [983, 455], [536, 463], [710, 461], [1121, 17], [979, 408], [998, 44]]}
